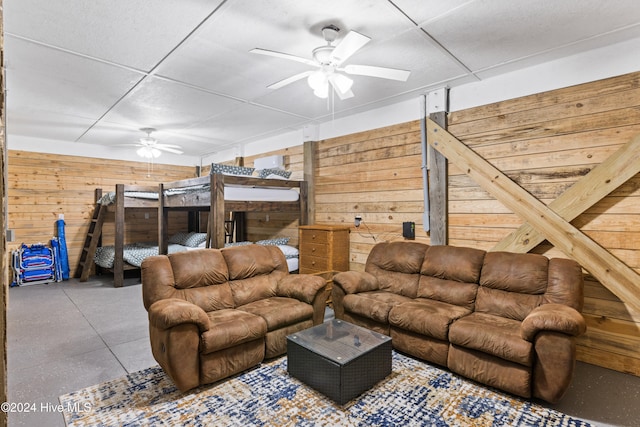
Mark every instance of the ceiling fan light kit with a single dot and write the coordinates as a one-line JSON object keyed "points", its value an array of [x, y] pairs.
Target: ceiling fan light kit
{"points": [[328, 59]]}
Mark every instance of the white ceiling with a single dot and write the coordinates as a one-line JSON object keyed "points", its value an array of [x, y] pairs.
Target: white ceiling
{"points": [[97, 71]]}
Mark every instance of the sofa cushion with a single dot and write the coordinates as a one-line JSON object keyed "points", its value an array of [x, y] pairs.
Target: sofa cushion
{"points": [[426, 317], [374, 305], [453, 263], [448, 291], [512, 284], [279, 311], [493, 335], [229, 328], [396, 265], [198, 268], [254, 271], [565, 283], [249, 261]]}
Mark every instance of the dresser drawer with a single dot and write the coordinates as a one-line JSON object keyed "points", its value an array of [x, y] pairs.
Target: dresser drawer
{"points": [[314, 249], [313, 263], [314, 236]]}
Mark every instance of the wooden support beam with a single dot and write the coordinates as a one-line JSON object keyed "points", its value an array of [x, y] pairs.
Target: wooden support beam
{"points": [[619, 278], [438, 189], [310, 149], [599, 182]]}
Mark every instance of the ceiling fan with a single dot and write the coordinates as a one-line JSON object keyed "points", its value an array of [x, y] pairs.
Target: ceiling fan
{"points": [[328, 60], [150, 148]]}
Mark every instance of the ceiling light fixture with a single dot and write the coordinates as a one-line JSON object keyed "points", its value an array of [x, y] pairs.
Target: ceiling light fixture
{"points": [[320, 80], [148, 152]]}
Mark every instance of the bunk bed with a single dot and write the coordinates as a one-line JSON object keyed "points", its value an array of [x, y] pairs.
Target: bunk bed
{"points": [[124, 198], [216, 194], [219, 194]]}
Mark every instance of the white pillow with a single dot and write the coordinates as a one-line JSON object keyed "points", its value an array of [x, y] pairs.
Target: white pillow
{"points": [[289, 251]]}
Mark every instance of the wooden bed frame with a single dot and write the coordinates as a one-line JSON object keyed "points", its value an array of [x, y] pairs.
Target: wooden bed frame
{"points": [[213, 202], [122, 203]]}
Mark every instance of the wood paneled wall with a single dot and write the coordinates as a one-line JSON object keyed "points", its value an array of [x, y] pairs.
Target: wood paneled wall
{"points": [[544, 142], [375, 174], [277, 224], [547, 142], [44, 186]]}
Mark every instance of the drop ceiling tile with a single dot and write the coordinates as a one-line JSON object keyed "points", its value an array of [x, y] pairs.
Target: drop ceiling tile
{"points": [[48, 80], [167, 105], [45, 125], [245, 122], [133, 33], [482, 36], [423, 11], [121, 137]]}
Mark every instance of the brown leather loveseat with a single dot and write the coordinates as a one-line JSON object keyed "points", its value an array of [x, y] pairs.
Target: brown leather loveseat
{"points": [[503, 319], [214, 313]]}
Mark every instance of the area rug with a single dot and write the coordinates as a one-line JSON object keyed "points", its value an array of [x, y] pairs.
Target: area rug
{"points": [[414, 394]]}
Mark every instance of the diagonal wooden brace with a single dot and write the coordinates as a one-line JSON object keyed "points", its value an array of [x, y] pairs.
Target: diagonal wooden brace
{"points": [[589, 190], [619, 278]]}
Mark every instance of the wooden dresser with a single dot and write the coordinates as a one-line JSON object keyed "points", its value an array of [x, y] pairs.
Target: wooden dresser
{"points": [[323, 247]]}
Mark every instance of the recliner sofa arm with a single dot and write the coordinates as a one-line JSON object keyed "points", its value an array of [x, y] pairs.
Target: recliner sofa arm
{"points": [[167, 313], [303, 287], [356, 281], [554, 318]]}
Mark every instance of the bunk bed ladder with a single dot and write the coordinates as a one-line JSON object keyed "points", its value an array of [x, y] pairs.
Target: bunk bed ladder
{"points": [[91, 242]]}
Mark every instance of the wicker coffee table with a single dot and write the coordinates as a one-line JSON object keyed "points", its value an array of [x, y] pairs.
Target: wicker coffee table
{"points": [[339, 359]]}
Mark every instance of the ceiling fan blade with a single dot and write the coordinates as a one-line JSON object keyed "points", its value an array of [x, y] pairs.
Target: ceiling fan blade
{"points": [[349, 45], [284, 56], [381, 72], [167, 146], [341, 94], [288, 80], [168, 149]]}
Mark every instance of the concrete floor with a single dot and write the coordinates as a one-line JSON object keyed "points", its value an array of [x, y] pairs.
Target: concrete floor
{"points": [[70, 335]]}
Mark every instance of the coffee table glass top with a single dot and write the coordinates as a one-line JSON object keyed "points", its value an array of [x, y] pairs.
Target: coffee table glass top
{"points": [[338, 340]]}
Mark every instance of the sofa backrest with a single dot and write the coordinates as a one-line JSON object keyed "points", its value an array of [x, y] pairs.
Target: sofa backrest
{"points": [[513, 284], [397, 266], [254, 271], [450, 274], [214, 279], [199, 276]]}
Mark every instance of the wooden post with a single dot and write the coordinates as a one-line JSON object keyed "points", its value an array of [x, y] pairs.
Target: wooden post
{"points": [[217, 211], [118, 262], [163, 223], [438, 189], [309, 165]]}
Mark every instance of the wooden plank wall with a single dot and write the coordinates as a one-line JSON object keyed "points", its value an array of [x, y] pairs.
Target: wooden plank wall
{"points": [[277, 224], [375, 174], [42, 186], [545, 142]]}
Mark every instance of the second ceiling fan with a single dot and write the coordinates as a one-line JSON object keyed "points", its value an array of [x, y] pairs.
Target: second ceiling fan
{"points": [[328, 60]]}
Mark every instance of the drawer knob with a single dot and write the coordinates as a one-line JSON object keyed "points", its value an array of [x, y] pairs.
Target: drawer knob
{"points": [[313, 250]]}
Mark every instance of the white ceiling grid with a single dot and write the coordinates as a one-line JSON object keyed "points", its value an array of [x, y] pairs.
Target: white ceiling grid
{"points": [[95, 72]]}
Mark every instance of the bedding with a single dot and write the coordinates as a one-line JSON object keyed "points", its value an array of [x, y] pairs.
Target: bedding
{"points": [[236, 193], [133, 253]]}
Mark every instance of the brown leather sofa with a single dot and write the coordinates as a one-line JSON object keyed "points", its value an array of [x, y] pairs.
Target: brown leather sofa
{"points": [[503, 319], [214, 313]]}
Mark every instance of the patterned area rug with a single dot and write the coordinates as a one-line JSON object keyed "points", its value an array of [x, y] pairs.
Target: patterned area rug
{"points": [[414, 394]]}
